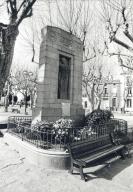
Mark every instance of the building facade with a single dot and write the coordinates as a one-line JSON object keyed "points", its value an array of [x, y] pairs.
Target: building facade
{"points": [[111, 97], [117, 95]]}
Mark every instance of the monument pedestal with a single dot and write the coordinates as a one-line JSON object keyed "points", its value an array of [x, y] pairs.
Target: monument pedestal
{"points": [[59, 91], [53, 114]]}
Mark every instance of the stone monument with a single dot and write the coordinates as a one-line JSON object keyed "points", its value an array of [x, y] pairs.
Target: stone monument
{"points": [[59, 91]]}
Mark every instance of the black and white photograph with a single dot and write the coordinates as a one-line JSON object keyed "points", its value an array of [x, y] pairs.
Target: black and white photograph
{"points": [[66, 95]]}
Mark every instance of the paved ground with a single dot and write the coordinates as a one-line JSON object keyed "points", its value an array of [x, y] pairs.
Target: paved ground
{"points": [[18, 175], [127, 117], [4, 115]]}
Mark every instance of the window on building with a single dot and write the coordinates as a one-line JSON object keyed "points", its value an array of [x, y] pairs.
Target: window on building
{"points": [[129, 103], [84, 95], [85, 104], [114, 102], [105, 91], [64, 77], [129, 91], [129, 81]]}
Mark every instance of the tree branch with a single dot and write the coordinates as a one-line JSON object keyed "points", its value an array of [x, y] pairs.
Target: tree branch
{"points": [[13, 6], [3, 25], [126, 66], [123, 15], [24, 1], [114, 39], [26, 11], [127, 34]]}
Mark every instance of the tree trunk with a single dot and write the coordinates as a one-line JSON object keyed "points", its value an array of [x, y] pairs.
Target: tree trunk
{"points": [[6, 103], [124, 106], [8, 41], [7, 98], [92, 97], [99, 105], [25, 98], [31, 100]]}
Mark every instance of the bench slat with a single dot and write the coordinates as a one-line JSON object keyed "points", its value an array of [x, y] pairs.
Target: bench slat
{"points": [[90, 152], [101, 154], [86, 152]]}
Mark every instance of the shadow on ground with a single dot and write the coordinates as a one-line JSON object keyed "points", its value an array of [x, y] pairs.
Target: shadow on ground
{"points": [[107, 172]]}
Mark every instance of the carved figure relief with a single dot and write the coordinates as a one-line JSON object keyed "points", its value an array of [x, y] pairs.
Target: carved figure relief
{"points": [[64, 77]]}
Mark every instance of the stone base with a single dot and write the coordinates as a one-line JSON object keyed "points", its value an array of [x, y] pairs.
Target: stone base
{"points": [[53, 114], [42, 158]]}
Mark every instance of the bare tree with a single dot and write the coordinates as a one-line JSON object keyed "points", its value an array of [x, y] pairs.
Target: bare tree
{"points": [[26, 84], [127, 92], [17, 11], [10, 83], [118, 18], [94, 83], [77, 17]]}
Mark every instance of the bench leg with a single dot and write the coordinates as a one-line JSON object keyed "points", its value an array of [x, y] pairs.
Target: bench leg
{"points": [[71, 168], [123, 153], [81, 173], [128, 152]]}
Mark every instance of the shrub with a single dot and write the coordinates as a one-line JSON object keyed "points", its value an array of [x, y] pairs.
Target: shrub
{"points": [[63, 123], [42, 126], [62, 129], [59, 131], [79, 122], [98, 117]]}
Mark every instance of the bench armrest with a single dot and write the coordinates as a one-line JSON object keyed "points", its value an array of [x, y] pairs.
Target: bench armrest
{"points": [[79, 162]]}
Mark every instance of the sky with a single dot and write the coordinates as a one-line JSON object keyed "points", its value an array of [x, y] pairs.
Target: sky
{"points": [[45, 13]]}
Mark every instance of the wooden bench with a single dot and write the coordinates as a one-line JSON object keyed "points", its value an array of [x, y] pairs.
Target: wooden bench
{"points": [[88, 153]]}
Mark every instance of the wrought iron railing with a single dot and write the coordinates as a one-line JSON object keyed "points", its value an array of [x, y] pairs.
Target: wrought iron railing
{"points": [[58, 138], [15, 120], [120, 125]]}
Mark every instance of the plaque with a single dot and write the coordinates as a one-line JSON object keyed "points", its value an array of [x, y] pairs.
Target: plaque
{"points": [[66, 109]]}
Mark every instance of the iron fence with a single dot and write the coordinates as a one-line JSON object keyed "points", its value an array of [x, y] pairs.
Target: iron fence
{"points": [[58, 138], [120, 125]]}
